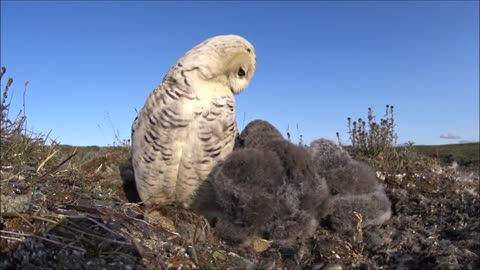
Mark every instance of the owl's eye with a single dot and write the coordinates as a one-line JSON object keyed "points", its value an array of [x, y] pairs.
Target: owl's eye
{"points": [[241, 72]]}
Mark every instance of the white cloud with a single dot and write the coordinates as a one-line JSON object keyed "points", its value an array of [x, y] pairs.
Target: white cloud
{"points": [[450, 135]]}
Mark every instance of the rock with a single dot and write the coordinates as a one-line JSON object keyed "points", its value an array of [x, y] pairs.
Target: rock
{"points": [[333, 267], [156, 217], [260, 245], [16, 203], [4, 175]]}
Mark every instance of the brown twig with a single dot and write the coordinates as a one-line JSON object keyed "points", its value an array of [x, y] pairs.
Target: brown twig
{"points": [[46, 220], [103, 226], [41, 238], [94, 235], [11, 238], [52, 170], [24, 219], [78, 230]]}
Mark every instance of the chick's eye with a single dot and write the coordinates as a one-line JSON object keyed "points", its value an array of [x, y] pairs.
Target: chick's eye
{"points": [[241, 72]]}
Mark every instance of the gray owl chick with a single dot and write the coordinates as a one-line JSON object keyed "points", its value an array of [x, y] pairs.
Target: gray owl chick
{"points": [[354, 187], [268, 189], [258, 133], [187, 124]]}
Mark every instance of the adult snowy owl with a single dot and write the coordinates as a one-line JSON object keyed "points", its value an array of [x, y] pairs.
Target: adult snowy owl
{"points": [[187, 124]]}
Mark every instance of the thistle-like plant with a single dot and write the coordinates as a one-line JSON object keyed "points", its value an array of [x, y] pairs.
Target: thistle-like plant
{"points": [[370, 138]]}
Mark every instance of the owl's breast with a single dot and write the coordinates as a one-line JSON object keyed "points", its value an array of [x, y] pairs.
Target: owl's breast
{"points": [[212, 133]]}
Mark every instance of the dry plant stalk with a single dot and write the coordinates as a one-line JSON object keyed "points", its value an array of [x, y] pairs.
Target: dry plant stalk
{"points": [[359, 236], [370, 138]]}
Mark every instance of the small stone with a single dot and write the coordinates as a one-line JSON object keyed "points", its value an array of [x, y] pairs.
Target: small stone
{"points": [[381, 175], [156, 218], [6, 175], [333, 267], [400, 176], [16, 203], [260, 245]]}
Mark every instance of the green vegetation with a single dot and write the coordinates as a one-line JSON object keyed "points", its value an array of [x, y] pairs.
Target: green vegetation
{"points": [[375, 142], [466, 154], [33, 160], [370, 139]]}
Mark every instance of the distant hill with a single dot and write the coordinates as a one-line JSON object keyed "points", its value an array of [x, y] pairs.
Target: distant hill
{"points": [[465, 154]]}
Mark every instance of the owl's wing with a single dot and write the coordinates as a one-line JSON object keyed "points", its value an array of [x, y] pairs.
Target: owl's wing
{"points": [[158, 135], [211, 138]]}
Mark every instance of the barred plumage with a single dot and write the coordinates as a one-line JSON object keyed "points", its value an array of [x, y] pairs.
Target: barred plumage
{"points": [[187, 124]]}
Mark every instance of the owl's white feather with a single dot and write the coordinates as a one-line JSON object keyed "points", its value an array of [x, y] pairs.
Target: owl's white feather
{"points": [[187, 124]]}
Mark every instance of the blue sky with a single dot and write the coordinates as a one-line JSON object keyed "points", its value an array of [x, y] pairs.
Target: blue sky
{"points": [[90, 64]]}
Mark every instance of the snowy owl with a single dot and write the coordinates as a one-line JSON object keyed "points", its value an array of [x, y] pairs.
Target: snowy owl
{"points": [[187, 124]]}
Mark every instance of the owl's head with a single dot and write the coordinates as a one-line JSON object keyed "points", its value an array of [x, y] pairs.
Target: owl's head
{"points": [[229, 60]]}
